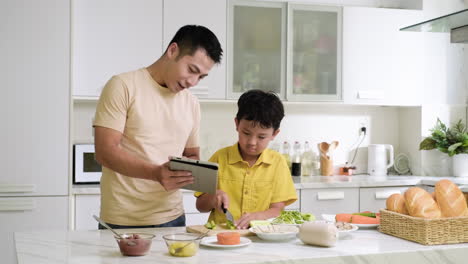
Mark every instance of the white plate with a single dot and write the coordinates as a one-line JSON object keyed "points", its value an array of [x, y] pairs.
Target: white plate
{"points": [[281, 235], [213, 242], [331, 218], [355, 227]]}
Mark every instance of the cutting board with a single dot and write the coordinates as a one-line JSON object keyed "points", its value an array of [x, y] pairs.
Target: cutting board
{"points": [[202, 229]]}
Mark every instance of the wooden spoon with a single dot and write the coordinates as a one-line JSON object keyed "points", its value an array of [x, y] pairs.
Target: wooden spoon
{"points": [[324, 147]]}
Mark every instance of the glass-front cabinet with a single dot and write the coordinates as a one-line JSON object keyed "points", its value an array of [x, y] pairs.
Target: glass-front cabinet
{"points": [[293, 50]]}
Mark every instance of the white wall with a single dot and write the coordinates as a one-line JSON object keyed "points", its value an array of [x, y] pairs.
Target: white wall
{"points": [[310, 122]]}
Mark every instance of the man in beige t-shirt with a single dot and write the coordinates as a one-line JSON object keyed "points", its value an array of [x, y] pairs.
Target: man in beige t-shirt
{"points": [[142, 118]]}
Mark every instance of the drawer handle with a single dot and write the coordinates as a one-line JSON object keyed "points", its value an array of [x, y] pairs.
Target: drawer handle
{"points": [[322, 196], [17, 205], [382, 195], [17, 188]]}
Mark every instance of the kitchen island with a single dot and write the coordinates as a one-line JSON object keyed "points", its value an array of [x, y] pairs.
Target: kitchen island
{"points": [[361, 246]]}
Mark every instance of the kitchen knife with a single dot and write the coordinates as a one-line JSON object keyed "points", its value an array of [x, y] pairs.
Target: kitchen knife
{"points": [[228, 214]]}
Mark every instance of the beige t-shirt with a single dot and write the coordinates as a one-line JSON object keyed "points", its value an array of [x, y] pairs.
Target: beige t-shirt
{"points": [[156, 123]]}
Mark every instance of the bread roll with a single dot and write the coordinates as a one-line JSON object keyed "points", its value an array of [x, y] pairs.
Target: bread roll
{"points": [[450, 198], [420, 203], [396, 203]]}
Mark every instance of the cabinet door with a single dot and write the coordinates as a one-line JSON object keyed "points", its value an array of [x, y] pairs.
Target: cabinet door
{"points": [[35, 100], [111, 37], [314, 53], [296, 206], [208, 13], [256, 41], [86, 206], [381, 65], [329, 201], [29, 214], [373, 199]]}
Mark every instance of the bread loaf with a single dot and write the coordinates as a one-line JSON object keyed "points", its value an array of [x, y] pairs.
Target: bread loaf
{"points": [[450, 198], [396, 203], [420, 203]]}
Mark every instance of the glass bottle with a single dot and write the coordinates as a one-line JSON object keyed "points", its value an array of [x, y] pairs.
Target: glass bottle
{"points": [[286, 151], [306, 161], [296, 160]]}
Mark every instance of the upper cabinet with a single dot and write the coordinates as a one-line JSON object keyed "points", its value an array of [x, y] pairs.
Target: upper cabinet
{"points": [[208, 13], [35, 101], [111, 37], [382, 65], [291, 49]]}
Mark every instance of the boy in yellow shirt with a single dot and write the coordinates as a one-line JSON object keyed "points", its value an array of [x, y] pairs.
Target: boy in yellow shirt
{"points": [[254, 183]]}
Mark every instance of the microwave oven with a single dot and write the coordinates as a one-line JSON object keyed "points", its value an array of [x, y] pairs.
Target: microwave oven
{"points": [[86, 170]]}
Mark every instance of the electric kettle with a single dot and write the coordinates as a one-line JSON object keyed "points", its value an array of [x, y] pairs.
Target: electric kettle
{"points": [[380, 158]]}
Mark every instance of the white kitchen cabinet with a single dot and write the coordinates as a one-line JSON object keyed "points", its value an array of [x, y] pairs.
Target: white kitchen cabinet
{"points": [[35, 101], [208, 13], [320, 201], [87, 205], [111, 37], [291, 49], [29, 214], [382, 65], [374, 199]]}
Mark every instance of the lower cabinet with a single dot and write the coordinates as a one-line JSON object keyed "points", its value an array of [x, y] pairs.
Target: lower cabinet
{"points": [[329, 201], [373, 199], [86, 205], [29, 214]]}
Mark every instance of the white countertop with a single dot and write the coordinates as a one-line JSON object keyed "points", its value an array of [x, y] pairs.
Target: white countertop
{"points": [[305, 182], [361, 246]]}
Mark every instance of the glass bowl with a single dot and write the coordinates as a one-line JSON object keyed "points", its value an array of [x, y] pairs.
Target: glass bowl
{"points": [[135, 244], [182, 244]]}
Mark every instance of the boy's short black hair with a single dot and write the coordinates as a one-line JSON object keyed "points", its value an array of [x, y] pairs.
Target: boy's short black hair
{"points": [[190, 38], [264, 108]]}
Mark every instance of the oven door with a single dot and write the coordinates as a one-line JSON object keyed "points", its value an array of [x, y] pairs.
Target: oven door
{"points": [[86, 170]]}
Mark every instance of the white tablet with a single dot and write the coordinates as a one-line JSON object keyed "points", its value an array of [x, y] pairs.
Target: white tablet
{"points": [[205, 173]]}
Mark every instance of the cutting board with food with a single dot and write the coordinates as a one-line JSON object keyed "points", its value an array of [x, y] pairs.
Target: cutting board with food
{"points": [[218, 229]]}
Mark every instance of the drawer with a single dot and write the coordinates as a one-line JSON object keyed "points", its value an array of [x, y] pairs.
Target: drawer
{"points": [[329, 201], [373, 199]]}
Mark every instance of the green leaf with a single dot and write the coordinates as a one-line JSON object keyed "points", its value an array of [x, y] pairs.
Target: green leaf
{"points": [[453, 147], [427, 144]]}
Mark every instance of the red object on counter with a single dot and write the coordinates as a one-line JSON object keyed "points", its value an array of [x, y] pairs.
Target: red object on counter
{"points": [[348, 171]]}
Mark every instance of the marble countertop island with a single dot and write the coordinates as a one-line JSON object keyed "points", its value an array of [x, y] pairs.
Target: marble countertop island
{"points": [[361, 246]]}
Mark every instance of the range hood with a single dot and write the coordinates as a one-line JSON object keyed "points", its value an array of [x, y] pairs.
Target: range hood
{"points": [[455, 23]]}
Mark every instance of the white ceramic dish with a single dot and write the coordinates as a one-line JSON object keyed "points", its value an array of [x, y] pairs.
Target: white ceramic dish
{"points": [[275, 232], [213, 242], [331, 218]]}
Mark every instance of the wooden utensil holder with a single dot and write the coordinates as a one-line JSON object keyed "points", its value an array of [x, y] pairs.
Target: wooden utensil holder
{"points": [[326, 166]]}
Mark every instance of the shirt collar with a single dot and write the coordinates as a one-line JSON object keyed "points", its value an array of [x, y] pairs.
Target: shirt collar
{"points": [[235, 156]]}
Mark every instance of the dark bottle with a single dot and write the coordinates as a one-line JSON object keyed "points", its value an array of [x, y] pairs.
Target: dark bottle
{"points": [[296, 160]]}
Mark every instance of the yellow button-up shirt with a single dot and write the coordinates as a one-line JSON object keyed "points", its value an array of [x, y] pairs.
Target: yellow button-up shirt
{"points": [[252, 189]]}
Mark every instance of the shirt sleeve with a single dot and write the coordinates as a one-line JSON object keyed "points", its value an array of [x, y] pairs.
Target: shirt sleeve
{"points": [[284, 189], [194, 140], [111, 111]]}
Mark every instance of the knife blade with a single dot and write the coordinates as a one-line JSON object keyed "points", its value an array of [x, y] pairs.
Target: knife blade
{"points": [[228, 214]]}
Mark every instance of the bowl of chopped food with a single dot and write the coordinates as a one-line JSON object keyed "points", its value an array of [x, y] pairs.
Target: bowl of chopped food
{"points": [[294, 218], [134, 244], [183, 244], [275, 232]]}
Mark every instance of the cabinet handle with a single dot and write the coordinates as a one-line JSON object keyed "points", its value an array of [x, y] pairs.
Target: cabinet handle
{"points": [[17, 205], [322, 196], [17, 188], [382, 195]]}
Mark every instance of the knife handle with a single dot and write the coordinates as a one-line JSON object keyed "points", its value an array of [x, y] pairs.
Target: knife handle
{"points": [[222, 207]]}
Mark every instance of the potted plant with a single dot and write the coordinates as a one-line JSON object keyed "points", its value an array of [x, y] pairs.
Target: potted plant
{"points": [[451, 140]]}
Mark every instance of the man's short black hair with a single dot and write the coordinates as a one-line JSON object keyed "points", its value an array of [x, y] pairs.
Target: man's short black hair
{"points": [[190, 38], [264, 108]]}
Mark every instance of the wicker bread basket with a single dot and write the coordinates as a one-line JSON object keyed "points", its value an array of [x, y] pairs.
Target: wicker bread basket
{"points": [[424, 231]]}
